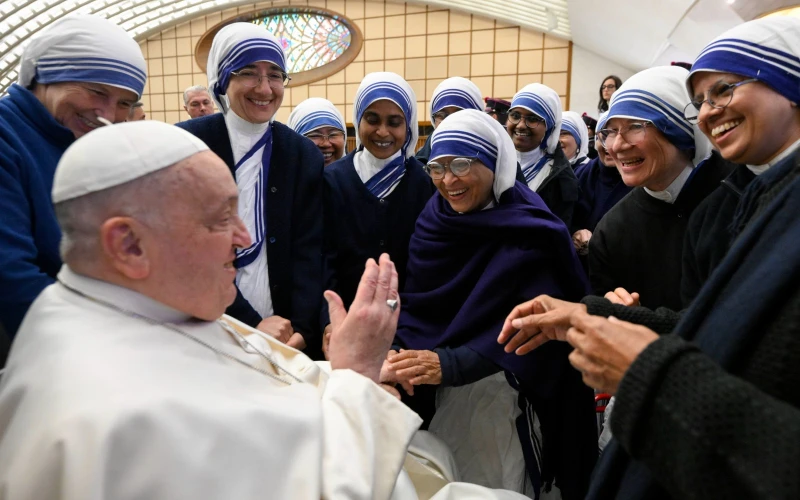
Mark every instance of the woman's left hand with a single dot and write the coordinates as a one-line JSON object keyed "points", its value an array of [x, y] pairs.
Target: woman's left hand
{"points": [[416, 367]]}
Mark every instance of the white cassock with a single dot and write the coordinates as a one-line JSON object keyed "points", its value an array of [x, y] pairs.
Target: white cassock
{"points": [[98, 404]]}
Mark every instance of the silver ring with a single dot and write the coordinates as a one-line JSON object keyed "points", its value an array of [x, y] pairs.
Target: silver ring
{"points": [[392, 304]]}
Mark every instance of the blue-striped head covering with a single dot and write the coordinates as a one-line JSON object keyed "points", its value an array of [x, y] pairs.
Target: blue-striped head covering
{"points": [[544, 103], [475, 134], [392, 87], [659, 95], [82, 48], [458, 92], [573, 123], [236, 46], [315, 113], [766, 49]]}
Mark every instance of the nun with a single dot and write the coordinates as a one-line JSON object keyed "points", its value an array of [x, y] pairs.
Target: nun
{"points": [[672, 167], [601, 188], [574, 140], [374, 195], [534, 124], [279, 176], [483, 242], [450, 96], [319, 120], [76, 75]]}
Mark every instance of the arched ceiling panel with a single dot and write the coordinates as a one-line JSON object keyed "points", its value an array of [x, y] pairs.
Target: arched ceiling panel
{"points": [[20, 19]]}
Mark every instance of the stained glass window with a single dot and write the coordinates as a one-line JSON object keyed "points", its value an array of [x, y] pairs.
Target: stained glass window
{"points": [[309, 39]]}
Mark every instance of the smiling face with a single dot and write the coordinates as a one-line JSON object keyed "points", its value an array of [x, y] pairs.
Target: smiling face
{"points": [[755, 127], [77, 105], [568, 144], [332, 148], [524, 137], [256, 104], [468, 193], [653, 163], [382, 129]]}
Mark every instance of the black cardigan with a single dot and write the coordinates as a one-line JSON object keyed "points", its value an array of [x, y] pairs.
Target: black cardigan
{"points": [[638, 245], [559, 190], [294, 224], [359, 226]]}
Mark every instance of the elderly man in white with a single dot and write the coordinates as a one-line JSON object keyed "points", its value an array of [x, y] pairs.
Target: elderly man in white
{"points": [[125, 380]]}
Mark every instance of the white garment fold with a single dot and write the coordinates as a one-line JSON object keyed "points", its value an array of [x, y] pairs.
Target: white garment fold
{"points": [[530, 157], [368, 165]]}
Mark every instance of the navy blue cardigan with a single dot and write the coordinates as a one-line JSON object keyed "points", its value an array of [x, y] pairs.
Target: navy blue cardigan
{"points": [[359, 225], [31, 143], [294, 224]]}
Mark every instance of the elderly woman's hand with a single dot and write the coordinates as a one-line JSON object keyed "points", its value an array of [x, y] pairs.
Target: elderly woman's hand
{"points": [[535, 322], [580, 240], [416, 367], [623, 297], [605, 348]]}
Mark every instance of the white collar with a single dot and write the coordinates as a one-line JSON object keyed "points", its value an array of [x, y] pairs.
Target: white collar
{"points": [[670, 194], [529, 157], [760, 169], [367, 165], [124, 298], [243, 134]]}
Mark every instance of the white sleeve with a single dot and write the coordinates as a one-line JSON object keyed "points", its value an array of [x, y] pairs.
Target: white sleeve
{"points": [[366, 432]]}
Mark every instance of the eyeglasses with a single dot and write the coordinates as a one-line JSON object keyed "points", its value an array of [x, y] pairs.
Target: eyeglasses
{"points": [[718, 96], [440, 115], [531, 121], [610, 86], [633, 134], [252, 79], [320, 138], [458, 167]]}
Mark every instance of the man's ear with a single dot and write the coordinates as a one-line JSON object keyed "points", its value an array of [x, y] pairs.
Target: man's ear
{"points": [[121, 241]]}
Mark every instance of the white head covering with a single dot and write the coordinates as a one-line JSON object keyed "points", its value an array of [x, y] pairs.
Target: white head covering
{"points": [[544, 103], [601, 121], [236, 46], [315, 113], [767, 49], [573, 123], [659, 95], [474, 134], [392, 87], [113, 155], [81, 48], [458, 92]]}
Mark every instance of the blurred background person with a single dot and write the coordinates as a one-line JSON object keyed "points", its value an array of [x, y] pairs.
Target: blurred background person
{"points": [[197, 101], [610, 85]]}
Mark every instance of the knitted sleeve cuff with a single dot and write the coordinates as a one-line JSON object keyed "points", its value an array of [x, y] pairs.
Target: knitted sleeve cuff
{"points": [[639, 386]]}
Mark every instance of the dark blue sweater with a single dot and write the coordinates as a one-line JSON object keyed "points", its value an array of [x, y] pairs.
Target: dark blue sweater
{"points": [[601, 188], [31, 143]]}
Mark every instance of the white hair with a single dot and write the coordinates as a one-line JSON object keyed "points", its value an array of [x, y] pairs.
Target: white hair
{"points": [[193, 88]]}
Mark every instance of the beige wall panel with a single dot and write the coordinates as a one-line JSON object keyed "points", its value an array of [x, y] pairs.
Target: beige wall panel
{"points": [[184, 46], [155, 67], [482, 64], [485, 84], [170, 84], [416, 24], [156, 86], [507, 39], [437, 67], [530, 40], [393, 8], [317, 91], [172, 102], [154, 48], [396, 66], [460, 43], [299, 95], [415, 69], [374, 28], [555, 60], [551, 42], [372, 67], [394, 26], [348, 113], [169, 47], [395, 48], [157, 102], [505, 86], [185, 81], [336, 5], [482, 41], [350, 92], [460, 22], [458, 66], [437, 45], [438, 22], [556, 81], [373, 9], [419, 89], [505, 63], [415, 46], [354, 72], [430, 86], [523, 80], [156, 115], [530, 61], [198, 26], [283, 114], [373, 50], [170, 65], [354, 9], [412, 8], [336, 94], [170, 33], [172, 117], [184, 30], [185, 65], [336, 77], [482, 23]]}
